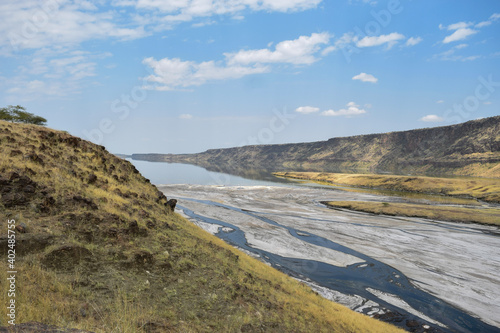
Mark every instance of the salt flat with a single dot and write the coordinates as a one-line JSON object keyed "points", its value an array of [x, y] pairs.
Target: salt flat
{"points": [[458, 263]]}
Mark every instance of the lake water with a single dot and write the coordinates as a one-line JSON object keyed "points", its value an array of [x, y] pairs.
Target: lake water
{"points": [[173, 173], [160, 173]]}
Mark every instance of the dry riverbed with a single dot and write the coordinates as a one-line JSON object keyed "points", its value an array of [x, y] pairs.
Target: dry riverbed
{"points": [[454, 262]]}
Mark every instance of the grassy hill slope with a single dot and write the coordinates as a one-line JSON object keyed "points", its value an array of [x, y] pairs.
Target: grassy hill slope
{"points": [[468, 149], [99, 248]]}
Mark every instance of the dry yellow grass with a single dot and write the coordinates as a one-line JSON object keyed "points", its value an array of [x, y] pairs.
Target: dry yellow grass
{"points": [[443, 213]]}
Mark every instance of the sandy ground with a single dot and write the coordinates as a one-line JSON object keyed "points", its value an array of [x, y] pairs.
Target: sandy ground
{"points": [[458, 263]]}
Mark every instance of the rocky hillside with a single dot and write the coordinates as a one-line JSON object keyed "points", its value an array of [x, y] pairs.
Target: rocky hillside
{"points": [[99, 248], [468, 149]]}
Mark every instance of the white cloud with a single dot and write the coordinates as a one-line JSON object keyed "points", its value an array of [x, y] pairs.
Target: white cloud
{"points": [[459, 25], [173, 73], [59, 27], [327, 50], [177, 11], [459, 34], [345, 40], [462, 30], [471, 58], [483, 24], [365, 78], [34, 24], [495, 16], [28, 90], [306, 109], [50, 74], [389, 39], [370, 2], [352, 109], [412, 41], [440, 101], [487, 103], [300, 51], [488, 22], [282, 5], [30, 24], [219, 7], [203, 24], [432, 118], [186, 116], [76, 67], [451, 55], [350, 40]]}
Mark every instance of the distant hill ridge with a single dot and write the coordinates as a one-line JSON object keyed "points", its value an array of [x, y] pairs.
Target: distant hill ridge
{"points": [[467, 149]]}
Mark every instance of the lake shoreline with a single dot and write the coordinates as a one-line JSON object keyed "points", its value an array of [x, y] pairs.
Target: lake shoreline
{"points": [[485, 189]]}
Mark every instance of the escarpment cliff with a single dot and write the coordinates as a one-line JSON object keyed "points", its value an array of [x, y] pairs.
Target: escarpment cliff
{"points": [[468, 149]]}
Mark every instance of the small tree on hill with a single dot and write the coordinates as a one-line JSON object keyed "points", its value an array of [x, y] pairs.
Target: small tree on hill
{"points": [[18, 114], [5, 115]]}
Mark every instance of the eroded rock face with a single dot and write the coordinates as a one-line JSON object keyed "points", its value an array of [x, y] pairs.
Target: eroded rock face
{"points": [[35, 158], [85, 202], [134, 229], [171, 204], [71, 141], [66, 257], [143, 258], [92, 178], [35, 327], [16, 190], [27, 243]]}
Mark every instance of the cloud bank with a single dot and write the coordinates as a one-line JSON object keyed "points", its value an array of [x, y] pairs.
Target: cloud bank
{"points": [[174, 73]]}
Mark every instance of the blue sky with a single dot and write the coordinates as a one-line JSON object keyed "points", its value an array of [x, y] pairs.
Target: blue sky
{"points": [[189, 75]]}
